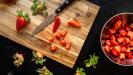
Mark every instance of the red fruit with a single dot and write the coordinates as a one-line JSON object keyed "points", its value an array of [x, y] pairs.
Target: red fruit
{"points": [[131, 42], [127, 28], [118, 24], [120, 39], [126, 39], [113, 42], [51, 39], [117, 48], [63, 33], [112, 31], [131, 26], [115, 52], [130, 34], [122, 56], [63, 42], [20, 23], [122, 32], [68, 45], [107, 36], [112, 37], [53, 47], [129, 55], [57, 36], [123, 49], [56, 24], [108, 42], [74, 23], [22, 20], [107, 48]]}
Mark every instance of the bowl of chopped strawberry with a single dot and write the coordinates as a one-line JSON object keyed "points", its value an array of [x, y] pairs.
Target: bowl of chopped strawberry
{"points": [[117, 39]]}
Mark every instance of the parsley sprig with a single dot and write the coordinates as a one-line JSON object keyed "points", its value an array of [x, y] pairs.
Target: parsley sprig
{"points": [[80, 71]]}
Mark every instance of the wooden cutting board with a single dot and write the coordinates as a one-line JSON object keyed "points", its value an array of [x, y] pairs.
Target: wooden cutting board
{"points": [[75, 35]]}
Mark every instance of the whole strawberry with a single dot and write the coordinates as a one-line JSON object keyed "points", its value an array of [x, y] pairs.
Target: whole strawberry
{"points": [[22, 20]]}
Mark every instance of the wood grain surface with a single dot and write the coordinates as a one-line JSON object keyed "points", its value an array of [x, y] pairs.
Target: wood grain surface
{"points": [[37, 42]]}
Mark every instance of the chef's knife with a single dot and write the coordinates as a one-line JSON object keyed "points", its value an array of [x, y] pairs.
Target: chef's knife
{"points": [[50, 19]]}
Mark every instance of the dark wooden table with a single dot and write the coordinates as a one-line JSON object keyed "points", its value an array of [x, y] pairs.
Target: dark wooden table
{"points": [[92, 45]]}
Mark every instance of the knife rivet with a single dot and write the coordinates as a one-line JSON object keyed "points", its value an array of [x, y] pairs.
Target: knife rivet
{"points": [[67, 2], [58, 9]]}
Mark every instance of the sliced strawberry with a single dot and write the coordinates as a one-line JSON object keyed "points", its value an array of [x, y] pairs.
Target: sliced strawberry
{"points": [[122, 32], [51, 39], [129, 55], [113, 42], [126, 39], [74, 23], [115, 52], [127, 28], [108, 42], [107, 36], [107, 48], [63, 42], [68, 45], [118, 24], [131, 26], [63, 33], [120, 39], [131, 42], [53, 48], [112, 31], [58, 36], [122, 56], [123, 49], [117, 48]]}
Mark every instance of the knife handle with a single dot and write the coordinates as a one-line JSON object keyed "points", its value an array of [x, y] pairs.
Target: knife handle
{"points": [[63, 5]]}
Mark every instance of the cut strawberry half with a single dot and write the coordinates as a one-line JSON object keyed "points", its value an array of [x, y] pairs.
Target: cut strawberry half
{"points": [[108, 42], [118, 24], [112, 37], [51, 39], [122, 56], [53, 48], [120, 39], [115, 52], [58, 36], [122, 32], [68, 45], [113, 42], [117, 48], [123, 49], [63, 42], [112, 31], [107, 48], [129, 55]]}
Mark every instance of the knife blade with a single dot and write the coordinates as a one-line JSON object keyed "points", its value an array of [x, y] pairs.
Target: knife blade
{"points": [[50, 19]]}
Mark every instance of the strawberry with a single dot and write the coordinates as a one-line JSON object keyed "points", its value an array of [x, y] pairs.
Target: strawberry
{"points": [[122, 32], [22, 20], [120, 39], [117, 48], [127, 39], [127, 28], [50, 39], [123, 49], [74, 23], [53, 48], [122, 56], [112, 37], [113, 42], [63, 42], [108, 42], [63, 33], [131, 26], [112, 31], [107, 48], [131, 42], [115, 52], [107, 36], [68, 45], [118, 24], [58, 36], [56, 24], [129, 55]]}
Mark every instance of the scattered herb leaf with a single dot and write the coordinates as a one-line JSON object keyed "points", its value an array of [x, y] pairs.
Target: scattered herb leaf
{"points": [[44, 71], [80, 71], [92, 61]]}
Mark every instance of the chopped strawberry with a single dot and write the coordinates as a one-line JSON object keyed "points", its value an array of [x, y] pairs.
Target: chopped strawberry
{"points": [[112, 37], [115, 52], [74, 23], [108, 42], [118, 24], [120, 39], [122, 32], [51, 39], [53, 48], [22, 20], [117, 48], [126, 39], [63, 42], [68, 45], [107, 48], [113, 42], [127, 28], [129, 55], [63, 33], [131, 42], [130, 34], [112, 31], [123, 49], [122, 56], [131, 26], [107, 36], [57, 36]]}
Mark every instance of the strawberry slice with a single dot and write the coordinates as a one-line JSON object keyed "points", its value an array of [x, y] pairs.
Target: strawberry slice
{"points": [[112, 31], [63, 33], [115, 52], [22, 20], [51, 39], [122, 56], [120, 39], [112, 37], [108, 42], [107, 48], [118, 24], [113, 42], [53, 48], [68, 45], [74, 23], [129, 55], [127, 28], [63, 42], [117, 48], [131, 42], [123, 49], [58, 36], [122, 32]]}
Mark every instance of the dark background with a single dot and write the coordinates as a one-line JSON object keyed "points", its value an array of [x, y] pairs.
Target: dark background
{"points": [[92, 45]]}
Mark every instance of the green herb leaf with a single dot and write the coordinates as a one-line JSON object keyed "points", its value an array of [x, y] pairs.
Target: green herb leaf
{"points": [[92, 61], [44, 71], [80, 71]]}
